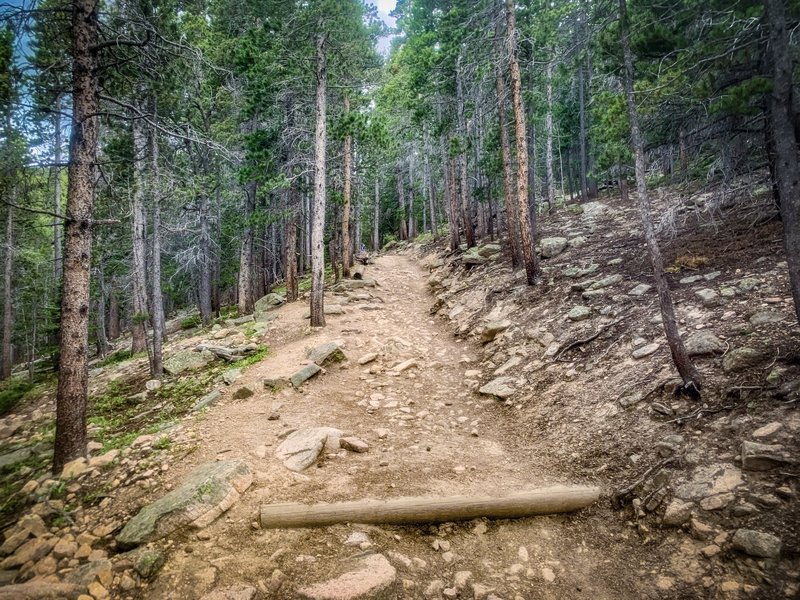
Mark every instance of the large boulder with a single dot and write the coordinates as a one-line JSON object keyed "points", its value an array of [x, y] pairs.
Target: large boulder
{"points": [[265, 304], [207, 492], [550, 247], [187, 360], [301, 449], [704, 343], [372, 578]]}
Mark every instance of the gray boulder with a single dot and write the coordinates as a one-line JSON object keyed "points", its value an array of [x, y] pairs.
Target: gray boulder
{"points": [[708, 297], [304, 374], [327, 353], [372, 578], [579, 313], [765, 317], [550, 247], [206, 493], [265, 304], [742, 358], [491, 330], [500, 387], [704, 343], [757, 543], [187, 360], [762, 457], [301, 449]]}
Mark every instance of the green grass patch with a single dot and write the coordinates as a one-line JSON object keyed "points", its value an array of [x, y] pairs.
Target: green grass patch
{"points": [[12, 392], [191, 322], [121, 356], [257, 356]]}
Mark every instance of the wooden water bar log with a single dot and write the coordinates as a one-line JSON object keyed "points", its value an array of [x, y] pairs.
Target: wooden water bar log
{"points": [[399, 511]]}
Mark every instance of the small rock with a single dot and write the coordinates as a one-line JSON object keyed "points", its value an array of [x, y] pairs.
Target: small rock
{"points": [[550, 247], [704, 343], [326, 354], [374, 576], [677, 513], [368, 358], [304, 374], [644, 351], [491, 330], [742, 358], [354, 444], [765, 317], [501, 387], [579, 313], [104, 459], [640, 290], [548, 575], [767, 430], [757, 543], [708, 297], [231, 375], [75, 468], [762, 457], [242, 393]]}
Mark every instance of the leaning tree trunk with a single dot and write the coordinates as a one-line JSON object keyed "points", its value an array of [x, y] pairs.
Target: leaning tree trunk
{"points": [[347, 160], [73, 375], [8, 309], [318, 218], [787, 168], [526, 226], [139, 254], [691, 377]]}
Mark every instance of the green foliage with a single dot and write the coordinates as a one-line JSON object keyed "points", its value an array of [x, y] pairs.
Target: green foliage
{"points": [[121, 356], [260, 354], [12, 391], [191, 322]]}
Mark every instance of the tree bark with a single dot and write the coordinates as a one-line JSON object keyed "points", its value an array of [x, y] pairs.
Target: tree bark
{"points": [[100, 313], [156, 296], [139, 262], [318, 219], [583, 135], [246, 251], [691, 377], [376, 218], [73, 376], [455, 238], [461, 159], [292, 290], [113, 313], [787, 167], [548, 124], [57, 224], [401, 200], [526, 223], [347, 160], [206, 266], [8, 307], [512, 221]]}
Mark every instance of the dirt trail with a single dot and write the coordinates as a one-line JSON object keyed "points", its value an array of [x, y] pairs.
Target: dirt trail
{"points": [[443, 439]]}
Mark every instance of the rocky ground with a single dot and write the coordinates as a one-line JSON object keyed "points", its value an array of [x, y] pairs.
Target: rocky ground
{"points": [[443, 374]]}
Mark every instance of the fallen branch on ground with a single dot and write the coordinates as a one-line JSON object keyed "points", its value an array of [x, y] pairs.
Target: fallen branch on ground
{"points": [[558, 499], [701, 411], [586, 340], [622, 493]]}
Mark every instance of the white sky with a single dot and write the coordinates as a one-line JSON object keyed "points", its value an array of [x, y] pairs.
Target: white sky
{"points": [[384, 8]]}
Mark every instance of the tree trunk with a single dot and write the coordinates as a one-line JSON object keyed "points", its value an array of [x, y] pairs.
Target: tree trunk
{"points": [[206, 266], [526, 223], [455, 238], [246, 251], [401, 201], [376, 218], [583, 135], [8, 307], [318, 219], [548, 124], [347, 160], [461, 159], [156, 296], [512, 221], [139, 261], [57, 224], [73, 376], [691, 377], [787, 168], [100, 313], [292, 291], [113, 313]]}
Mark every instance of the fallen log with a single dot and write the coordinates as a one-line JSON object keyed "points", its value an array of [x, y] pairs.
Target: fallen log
{"points": [[399, 511], [357, 272], [229, 354]]}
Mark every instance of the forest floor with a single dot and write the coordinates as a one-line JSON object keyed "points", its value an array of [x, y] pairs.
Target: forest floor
{"points": [[597, 411]]}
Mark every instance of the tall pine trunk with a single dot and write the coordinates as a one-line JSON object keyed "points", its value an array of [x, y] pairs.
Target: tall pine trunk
{"points": [[73, 376], [156, 296], [455, 238], [206, 260], [57, 224], [548, 156], [691, 377], [461, 159], [139, 254], [320, 189], [376, 218], [347, 160], [787, 168], [512, 220], [526, 224], [246, 251], [8, 307], [401, 200]]}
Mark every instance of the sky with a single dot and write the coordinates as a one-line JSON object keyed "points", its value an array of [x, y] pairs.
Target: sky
{"points": [[384, 8]]}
